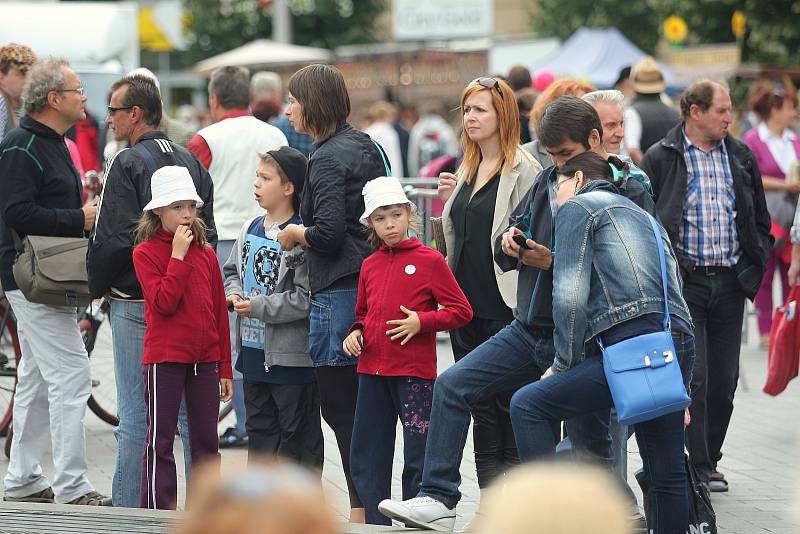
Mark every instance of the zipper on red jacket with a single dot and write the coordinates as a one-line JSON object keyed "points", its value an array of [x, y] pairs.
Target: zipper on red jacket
{"points": [[388, 272]]}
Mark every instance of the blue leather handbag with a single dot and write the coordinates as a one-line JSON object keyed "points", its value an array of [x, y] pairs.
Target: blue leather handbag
{"points": [[643, 372]]}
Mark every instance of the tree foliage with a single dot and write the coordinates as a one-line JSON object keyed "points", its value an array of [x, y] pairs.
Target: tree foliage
{"points": [[215, 26], [772, 32]]}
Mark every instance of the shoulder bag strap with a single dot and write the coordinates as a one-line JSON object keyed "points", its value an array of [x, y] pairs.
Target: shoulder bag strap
{"points": [[383, 157], [662, 263], [149, 161]]}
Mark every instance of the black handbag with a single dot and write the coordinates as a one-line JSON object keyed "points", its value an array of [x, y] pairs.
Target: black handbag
{"points": [[702, 519]]}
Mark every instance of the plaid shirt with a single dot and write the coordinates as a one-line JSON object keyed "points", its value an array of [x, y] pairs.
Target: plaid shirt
{"points": [[301, 142], [708, 233]]}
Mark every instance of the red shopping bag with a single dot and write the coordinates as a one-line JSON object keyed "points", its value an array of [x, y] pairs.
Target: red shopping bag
{"points": [[784, 344]]}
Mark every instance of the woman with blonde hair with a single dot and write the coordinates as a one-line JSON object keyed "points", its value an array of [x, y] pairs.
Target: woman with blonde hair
{"points": [[564, 498], [562, 87], [492, 179], [266, 498]]}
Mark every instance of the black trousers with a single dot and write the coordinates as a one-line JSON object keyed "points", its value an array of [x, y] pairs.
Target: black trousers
{"points": [[338, 390], [717, 306], [283, 420], [492, 433]]}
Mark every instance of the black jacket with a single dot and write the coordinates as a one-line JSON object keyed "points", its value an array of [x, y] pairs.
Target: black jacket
{"points": [[40, 190], [664, 163], [331, 205], [534, 215], [126, 192], [657, 119]]}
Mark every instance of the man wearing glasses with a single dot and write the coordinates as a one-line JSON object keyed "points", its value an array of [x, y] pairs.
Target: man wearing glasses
{"points": [[40, 194], [134, 115]]}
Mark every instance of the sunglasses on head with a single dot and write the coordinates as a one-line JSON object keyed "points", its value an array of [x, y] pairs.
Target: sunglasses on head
{"points": [[489, 83]]}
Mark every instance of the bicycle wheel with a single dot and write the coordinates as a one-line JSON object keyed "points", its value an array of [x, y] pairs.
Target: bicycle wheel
{"points": [[103, 400], [9, 360]]}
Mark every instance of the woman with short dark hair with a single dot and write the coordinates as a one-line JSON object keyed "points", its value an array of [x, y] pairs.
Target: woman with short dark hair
{"points": [[345, 159]]}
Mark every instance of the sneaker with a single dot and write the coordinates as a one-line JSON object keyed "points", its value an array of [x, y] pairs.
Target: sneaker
{"points": [[420, 512], [717, 483], [230, 438], [92, 498], [45, 496]]}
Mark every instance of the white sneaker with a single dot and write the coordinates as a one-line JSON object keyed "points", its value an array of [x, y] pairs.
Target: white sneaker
{"points": [[420, 512]]}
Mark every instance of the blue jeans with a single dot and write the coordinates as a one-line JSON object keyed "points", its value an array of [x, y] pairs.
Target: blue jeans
{"points": [[382, 400], [127, 331], [511, 358], [332, 314], [224, 249], [584, 389]]}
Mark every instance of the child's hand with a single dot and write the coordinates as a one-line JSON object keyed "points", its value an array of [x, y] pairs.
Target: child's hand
{"points": [[408, 327], [180, 242], [243, 307], [225, 389], [353, 343]]}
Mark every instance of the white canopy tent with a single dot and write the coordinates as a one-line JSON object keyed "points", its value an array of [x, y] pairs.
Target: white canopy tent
{"points": [[83, 32], [264, 53]]}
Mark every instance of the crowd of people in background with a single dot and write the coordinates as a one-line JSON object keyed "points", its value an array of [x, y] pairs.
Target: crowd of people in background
{"points": [[271, 258]]}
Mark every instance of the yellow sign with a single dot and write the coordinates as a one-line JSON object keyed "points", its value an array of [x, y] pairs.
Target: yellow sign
{"points": [[150, 35], [675, 29], [738, 24]]}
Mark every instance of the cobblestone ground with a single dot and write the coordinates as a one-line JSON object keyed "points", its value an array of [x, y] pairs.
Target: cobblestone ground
{"points": [[760, 454]]}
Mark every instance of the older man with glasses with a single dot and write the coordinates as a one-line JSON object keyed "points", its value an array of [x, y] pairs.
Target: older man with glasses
{"points": [[40, 194]]}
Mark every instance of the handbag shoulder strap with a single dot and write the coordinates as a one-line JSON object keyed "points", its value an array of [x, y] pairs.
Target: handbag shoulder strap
{"points": [[383, 157], [663, 264], [149, 161]]}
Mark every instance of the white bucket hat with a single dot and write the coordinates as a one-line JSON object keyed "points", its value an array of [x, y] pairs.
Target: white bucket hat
{"points": [[383, 191], [171, 184]]}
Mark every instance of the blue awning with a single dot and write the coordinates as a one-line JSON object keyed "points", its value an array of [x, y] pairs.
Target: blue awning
{"points": [[598, 55]]}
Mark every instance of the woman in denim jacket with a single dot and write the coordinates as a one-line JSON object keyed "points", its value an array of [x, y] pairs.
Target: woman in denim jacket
{"points": [[607, 285]]}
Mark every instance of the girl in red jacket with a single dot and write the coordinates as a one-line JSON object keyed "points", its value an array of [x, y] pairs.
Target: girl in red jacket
{"points": [[187, 352], [406, 293]]}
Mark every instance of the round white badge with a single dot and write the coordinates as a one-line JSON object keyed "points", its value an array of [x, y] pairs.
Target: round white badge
{"points": [[410, 269]]}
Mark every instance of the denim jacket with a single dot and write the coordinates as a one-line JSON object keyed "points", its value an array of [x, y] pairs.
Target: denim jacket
{"points": [[607, 270]]}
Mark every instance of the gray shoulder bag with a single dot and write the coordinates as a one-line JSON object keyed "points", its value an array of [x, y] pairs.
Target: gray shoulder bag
{"points": [[52, 270]]}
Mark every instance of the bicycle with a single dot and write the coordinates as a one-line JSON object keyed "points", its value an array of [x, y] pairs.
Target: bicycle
{"points": [[89, 322]]}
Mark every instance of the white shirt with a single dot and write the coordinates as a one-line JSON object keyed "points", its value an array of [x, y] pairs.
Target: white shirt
{"points": [[633, 128], [781, 148], [385, 135]]}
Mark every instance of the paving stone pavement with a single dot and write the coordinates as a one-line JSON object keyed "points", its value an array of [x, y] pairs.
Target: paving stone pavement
{"points": [[759, 456]]}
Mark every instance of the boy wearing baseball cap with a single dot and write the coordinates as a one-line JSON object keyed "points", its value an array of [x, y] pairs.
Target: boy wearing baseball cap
{"points": [[268, 289]]}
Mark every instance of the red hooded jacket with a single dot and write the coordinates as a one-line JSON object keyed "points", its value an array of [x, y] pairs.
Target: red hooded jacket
{"points": [[184, 305], [417, 277]]}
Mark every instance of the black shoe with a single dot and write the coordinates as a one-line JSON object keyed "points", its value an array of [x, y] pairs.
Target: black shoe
{"points": [[230, 438]]}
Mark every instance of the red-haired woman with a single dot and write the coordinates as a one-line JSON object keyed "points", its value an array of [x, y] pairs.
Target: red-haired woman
{"points": [[491, 180]]}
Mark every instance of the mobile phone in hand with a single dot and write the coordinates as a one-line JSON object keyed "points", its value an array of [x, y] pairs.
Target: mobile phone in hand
{"points": [[521, 240]]}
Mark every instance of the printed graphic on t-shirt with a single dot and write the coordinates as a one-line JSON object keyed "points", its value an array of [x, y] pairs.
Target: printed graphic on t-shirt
{"points": [[261, 258]]}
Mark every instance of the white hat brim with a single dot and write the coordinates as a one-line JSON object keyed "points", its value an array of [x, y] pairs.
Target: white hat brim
{"points": [[166, 200]]}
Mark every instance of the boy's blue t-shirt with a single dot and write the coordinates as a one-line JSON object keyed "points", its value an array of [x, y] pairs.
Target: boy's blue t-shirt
{"points": [[261, 259]]}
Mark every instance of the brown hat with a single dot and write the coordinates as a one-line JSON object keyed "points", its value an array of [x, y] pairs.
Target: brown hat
{"points": [[646, 77]]}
